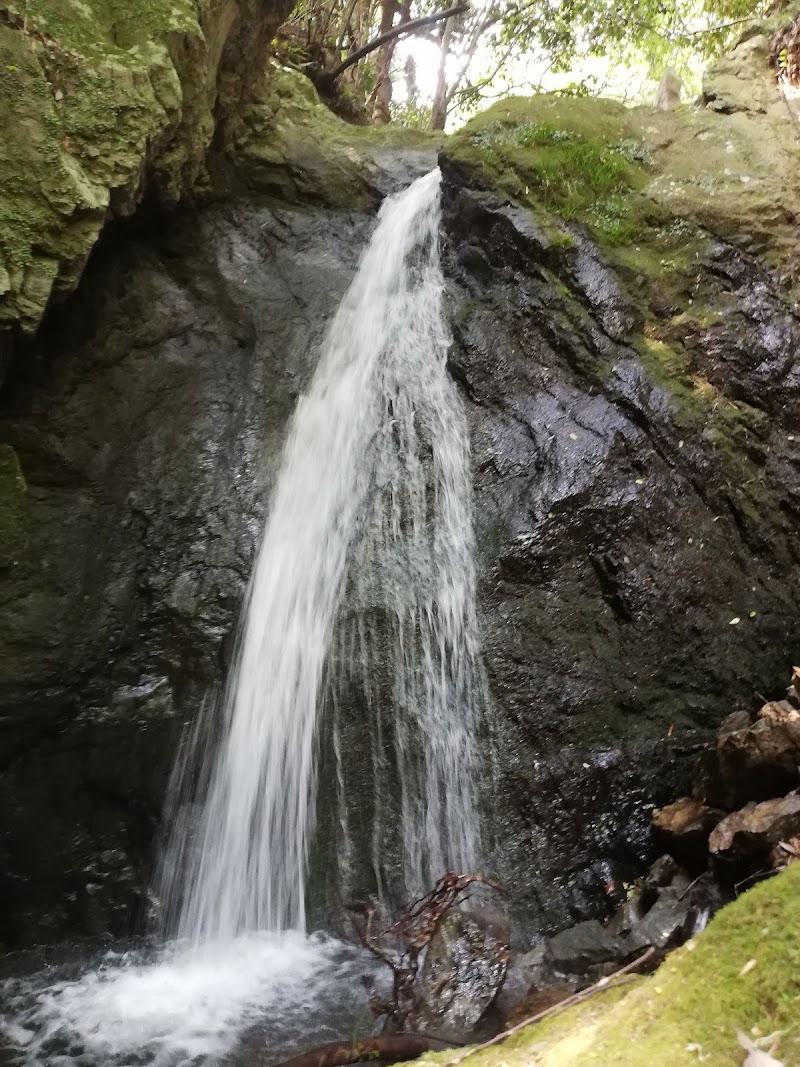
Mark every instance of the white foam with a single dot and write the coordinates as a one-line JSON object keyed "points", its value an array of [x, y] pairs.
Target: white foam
{"points": [[187, 1007]]}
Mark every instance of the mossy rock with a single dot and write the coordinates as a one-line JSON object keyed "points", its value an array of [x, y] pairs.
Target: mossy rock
{"points": [[741, 974], [291, 146], [578, 158], [654, 188], [105, 102]]}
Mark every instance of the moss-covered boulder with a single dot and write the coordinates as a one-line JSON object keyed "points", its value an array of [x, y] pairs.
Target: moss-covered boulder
{"points": [[667, 180], [104, 103], [289, 145], [742, 974]]}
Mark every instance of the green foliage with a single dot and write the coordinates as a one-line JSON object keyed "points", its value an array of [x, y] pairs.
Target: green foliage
{"points": [[489, 42], [578, 175], [658, 31], [412, 115]]}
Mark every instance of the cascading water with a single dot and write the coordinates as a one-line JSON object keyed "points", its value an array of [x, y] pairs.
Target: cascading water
{"points": [[372, 509], [364, 581]]}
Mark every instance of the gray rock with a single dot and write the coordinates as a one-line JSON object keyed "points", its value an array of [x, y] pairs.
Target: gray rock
{"points": [[629, 913], [533, 968], [465, 965], [666, 925], [661, 873], [580, 947]]}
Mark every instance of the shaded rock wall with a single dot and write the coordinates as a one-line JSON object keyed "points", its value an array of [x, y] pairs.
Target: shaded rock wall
{"points": [[627, 331], [148, 423], [615, 548]]}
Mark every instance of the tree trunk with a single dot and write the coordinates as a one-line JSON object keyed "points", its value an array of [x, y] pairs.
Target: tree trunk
{"points": [[439, 108], [383, 74], [412, 89]]}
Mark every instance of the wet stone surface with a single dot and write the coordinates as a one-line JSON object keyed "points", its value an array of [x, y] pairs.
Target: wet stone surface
{"points": [[617, 540]]}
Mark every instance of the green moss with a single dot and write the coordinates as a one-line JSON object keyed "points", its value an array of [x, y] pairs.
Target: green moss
{"points": [[578, 161], [670, 370], [464, 314], [689, 1011], [13, 531], [97, 102], [728, 424], [95, 28], [294, 148]]}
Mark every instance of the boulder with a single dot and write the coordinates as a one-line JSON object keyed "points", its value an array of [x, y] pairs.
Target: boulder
{"points": [[530, 981], [464, 968], [743, 842], [682, 829], [661, 872], [629, 913], [757, 761], [666, 925], [580, 947]]}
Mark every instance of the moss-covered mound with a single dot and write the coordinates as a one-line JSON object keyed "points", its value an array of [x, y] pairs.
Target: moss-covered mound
{"points": [[667, 180], [741, 974], [102, 102]]}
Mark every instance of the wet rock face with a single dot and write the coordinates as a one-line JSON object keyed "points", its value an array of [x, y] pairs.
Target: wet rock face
{"points": [[621, 534], [148, 432], [633, 589]]}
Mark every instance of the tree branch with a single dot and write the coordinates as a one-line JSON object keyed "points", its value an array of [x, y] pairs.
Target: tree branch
{"points": [[328, 77], [390, 1048]]}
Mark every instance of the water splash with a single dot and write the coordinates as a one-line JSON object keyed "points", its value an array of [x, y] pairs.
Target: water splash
{"points": [[180, 1008], [368, 547]]}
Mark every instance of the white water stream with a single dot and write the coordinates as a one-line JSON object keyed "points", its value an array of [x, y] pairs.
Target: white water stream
{"points": [[366, 565], [372, 507]]}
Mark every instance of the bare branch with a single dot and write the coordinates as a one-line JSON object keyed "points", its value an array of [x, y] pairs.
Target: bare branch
{"points": [[391, 1048], [328, 77]]}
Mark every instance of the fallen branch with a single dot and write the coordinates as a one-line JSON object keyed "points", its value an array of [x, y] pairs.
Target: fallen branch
{"points": [[391, 1048], [327, 78], [620, 977]]}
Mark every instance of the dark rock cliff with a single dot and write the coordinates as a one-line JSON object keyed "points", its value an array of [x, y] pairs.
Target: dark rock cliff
{"points": [[148, 425], [633, 591], [630, 385]]}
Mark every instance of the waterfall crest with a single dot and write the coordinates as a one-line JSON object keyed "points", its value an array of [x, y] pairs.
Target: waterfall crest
{"points": [[372, 510]]}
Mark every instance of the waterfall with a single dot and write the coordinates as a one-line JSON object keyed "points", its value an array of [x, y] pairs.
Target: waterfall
{"points": [[366, 568]]}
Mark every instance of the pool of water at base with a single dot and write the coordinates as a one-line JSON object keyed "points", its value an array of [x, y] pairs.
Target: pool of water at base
{"points": [[249, 1003]]}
